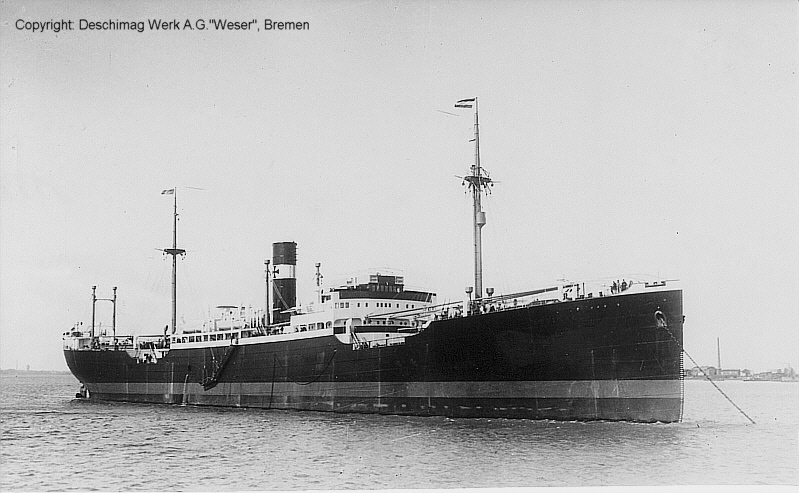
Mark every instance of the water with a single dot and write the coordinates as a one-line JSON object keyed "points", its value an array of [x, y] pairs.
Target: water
{"points": [[51, 441]]}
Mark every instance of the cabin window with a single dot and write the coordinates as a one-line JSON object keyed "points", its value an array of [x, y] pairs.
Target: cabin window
{"points": [[328, 324], [367, 305], [320, 325], [359, 305]]}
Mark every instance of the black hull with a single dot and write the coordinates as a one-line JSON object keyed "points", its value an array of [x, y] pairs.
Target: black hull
{"points": [[607, 358]]}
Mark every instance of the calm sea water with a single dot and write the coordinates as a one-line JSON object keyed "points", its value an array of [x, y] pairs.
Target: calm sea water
{"points": [[51, 441]]}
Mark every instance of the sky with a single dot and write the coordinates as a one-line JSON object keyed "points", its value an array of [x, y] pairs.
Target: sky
{"points": [[638, 140]]}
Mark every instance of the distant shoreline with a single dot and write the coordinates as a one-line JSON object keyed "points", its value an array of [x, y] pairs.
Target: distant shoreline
{"points": [[34, 372]]}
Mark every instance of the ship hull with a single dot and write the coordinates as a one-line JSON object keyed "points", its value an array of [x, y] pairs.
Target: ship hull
{"points": [[606, 358]]}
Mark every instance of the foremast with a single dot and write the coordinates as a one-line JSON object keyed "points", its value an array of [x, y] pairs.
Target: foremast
{"points": [[174, 251], [478, 181]]}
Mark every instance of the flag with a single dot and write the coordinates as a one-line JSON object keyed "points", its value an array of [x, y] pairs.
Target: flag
{"points": [[171, 191], [465, 103]]}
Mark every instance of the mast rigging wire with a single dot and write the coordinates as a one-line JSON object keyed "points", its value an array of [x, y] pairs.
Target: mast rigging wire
{"points": [[708, 376]]}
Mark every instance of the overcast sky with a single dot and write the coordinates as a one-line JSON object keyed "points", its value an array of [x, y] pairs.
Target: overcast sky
{"points": [[631, 139]]}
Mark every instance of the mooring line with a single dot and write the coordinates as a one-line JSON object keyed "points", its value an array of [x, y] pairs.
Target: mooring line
{"points": [[707, 376]]}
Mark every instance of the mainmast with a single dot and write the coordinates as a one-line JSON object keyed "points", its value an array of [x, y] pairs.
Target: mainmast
{"points": [[174, 251], [478, 181]]}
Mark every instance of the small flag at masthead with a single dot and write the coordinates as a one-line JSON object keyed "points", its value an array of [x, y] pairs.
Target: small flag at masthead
{"points": [[464, 103]]}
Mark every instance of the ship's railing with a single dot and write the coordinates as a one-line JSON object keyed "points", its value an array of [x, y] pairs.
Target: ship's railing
{"points": [[229, 335], [360, 342], [80, 341], [458, 309], [569, 291]]}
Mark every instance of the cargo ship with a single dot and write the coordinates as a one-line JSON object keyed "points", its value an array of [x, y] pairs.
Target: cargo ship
{"points": [[572, 351]]}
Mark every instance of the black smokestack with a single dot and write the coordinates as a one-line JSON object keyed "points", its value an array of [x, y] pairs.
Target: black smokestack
{"points": [[284, 258]]}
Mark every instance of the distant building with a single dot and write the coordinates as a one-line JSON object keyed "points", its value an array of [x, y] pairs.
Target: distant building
{"points": [[782, 375], [730, 373], [700, 372]]}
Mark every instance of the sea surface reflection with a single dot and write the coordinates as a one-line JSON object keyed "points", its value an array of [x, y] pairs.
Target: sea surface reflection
{"points": [[51, 441]]}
